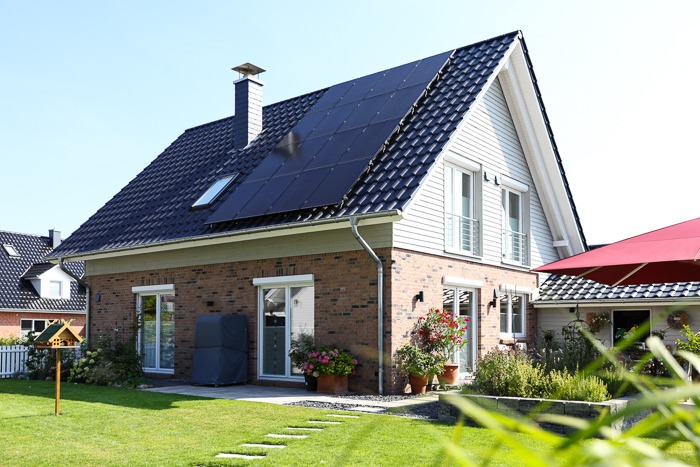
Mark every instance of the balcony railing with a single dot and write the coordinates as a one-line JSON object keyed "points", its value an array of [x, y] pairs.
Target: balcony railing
{"points": [[462, 233], [515, 247]]}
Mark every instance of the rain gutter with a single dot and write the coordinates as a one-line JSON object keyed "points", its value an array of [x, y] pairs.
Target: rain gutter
{"points": [[380, 303], [87, 295]]}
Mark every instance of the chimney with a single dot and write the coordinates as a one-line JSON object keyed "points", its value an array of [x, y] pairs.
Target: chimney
{"points": [[54, 238], [248, 117]]}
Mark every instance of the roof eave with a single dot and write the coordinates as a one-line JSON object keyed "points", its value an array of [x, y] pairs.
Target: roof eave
{"points": [[235, 236]]}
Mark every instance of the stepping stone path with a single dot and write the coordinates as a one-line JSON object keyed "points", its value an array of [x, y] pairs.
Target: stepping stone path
{"points": [[226, 455]]}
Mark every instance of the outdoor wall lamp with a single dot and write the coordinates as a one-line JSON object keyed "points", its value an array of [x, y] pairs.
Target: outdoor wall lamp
{"points": [[494, 302], [419, 297]]}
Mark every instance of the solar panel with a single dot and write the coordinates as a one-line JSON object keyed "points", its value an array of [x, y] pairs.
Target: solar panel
{"points": [[326, 152]]}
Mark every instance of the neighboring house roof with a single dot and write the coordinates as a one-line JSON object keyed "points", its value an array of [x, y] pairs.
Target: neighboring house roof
{"points": [[156, 207], [16, 291], [568, 290]]}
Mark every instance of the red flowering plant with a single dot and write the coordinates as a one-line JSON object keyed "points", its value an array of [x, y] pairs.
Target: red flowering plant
{"points": [[442, 331], [329, 360]]}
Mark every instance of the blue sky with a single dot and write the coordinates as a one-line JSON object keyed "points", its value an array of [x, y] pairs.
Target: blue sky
{"points": [[91, 92]]}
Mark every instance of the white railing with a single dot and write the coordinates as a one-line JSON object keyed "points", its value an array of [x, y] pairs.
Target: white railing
{"points": [[515, 247], [462, 233], [13, 360]]}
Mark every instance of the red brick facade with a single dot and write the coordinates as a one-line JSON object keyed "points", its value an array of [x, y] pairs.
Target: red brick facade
{"points": [[10, 321], [345, 306]]}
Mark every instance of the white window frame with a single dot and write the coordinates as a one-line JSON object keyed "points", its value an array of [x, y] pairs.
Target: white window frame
{"points": [[158, 291], [287, 283], [508, 298], [455, 166], [24, 333], [508, 187]]}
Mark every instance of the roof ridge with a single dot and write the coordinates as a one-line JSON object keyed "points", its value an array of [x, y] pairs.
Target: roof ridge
{"points": [[23, 233]]}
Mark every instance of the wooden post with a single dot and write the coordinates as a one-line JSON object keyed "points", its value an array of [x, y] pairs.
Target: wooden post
{"points": [[58, 381]]}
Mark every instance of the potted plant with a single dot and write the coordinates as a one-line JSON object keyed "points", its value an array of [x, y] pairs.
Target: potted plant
{"points": [[302, 345], [418, 365], [332, 366], [442, 331]]}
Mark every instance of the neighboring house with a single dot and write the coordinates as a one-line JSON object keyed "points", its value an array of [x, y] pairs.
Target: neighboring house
{"points": [[33, 290], [443, 173], [667, 306]]}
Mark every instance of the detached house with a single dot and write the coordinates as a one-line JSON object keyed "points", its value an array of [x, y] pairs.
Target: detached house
{"points": [[347, 213], [33, 290]]}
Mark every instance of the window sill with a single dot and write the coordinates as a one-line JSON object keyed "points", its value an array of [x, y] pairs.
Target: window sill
{"points": [[515, 263], [465, 253], [296, 379]]}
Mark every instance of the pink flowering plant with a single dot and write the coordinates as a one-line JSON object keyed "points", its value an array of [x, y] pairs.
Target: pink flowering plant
{"points": [[441, 331], [329, 360]]}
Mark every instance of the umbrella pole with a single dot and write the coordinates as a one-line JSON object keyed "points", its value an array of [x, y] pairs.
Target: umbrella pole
{"points": [[58, 381]]}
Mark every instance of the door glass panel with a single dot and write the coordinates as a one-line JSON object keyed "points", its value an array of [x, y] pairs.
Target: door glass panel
{"points": [[149, 330], [273, 338], [167, 332], [301, 315], [504, 314], [518, 303], [514, 211], [466, 353]]}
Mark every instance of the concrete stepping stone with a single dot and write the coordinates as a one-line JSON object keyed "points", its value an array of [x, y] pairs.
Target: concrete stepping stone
{"points": [[304, 428], [264, 446], [325, 422], [337, 415], [280, 435], [226, 455]]}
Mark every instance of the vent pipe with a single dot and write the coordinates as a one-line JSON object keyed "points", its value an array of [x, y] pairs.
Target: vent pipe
{"points": [[248, 117]]}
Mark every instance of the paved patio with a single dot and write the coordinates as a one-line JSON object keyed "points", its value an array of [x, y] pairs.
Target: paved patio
{"points": [[278, 395]]}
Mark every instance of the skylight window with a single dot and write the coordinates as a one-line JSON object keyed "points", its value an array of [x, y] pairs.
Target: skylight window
{"points": [[11, 252], [214, 190]]}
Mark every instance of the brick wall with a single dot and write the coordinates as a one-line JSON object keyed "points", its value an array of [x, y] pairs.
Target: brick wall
{"points": [[345, 308], [9, 321]]}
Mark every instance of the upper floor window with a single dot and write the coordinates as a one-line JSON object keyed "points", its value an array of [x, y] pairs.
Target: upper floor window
{"points": [[214, 191], [462, 233], [10, 250], [56, 289], [515, 244]]}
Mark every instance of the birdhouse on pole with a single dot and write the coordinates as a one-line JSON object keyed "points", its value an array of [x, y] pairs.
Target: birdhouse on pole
{"points": [[58, 335]]}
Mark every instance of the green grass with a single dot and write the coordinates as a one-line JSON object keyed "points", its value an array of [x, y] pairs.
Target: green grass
{"points": [[107, 426]]}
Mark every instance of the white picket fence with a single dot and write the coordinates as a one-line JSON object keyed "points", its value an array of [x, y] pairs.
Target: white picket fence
{"points": [[13, 360]]}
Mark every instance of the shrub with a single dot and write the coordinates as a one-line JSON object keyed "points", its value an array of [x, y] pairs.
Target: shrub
{"points": [[108, 364], [329, 360], [509, 373], [617, 384], [12, 340], [564, 386]]}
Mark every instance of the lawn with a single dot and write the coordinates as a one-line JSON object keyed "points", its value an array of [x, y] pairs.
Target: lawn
{"points": [[107, 426]]}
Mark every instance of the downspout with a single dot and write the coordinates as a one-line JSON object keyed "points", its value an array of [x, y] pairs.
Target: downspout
{"points": [[87, 295], [380, 302]]}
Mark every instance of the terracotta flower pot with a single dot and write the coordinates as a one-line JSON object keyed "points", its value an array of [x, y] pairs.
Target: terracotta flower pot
{"points": [[450, 374], [418, 383], [332, 384]]}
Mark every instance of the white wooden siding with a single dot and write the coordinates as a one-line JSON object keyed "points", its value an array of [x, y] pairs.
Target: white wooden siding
{"points": [[556, 318], [488, 138]]}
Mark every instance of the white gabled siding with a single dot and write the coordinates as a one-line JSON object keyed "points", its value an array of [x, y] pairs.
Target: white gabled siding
{"points": [[487, 138]]}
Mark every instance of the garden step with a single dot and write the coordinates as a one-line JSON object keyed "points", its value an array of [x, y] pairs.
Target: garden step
{"points": [[325, 422], [341, 415], [226, 455], [303, 428], [280, 435], [264, 446]]}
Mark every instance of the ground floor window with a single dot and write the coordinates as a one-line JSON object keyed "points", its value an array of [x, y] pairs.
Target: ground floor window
{"points": [[627, 321], [31, 325], [155, 309], [285, 310], [463, 301], [512, 315]]}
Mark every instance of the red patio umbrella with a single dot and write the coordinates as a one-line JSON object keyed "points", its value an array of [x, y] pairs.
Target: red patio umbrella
{"points": [[670, 254]]}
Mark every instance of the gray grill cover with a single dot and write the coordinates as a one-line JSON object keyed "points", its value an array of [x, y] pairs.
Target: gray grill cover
{"points": [[220, 350]]}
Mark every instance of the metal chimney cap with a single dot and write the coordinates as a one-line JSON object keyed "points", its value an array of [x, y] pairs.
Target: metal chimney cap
{"points": [[248, 69]]}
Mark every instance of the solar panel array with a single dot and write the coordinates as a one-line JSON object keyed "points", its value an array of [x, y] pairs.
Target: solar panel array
{"points": [[326, 152]]}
